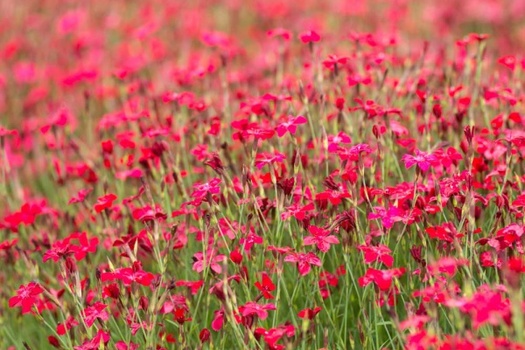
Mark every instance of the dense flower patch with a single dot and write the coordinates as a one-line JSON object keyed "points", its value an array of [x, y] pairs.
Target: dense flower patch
{"points": [[262, 174]]}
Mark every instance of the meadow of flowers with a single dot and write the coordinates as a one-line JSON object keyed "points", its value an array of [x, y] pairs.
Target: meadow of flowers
{"points": [[248, 174]]}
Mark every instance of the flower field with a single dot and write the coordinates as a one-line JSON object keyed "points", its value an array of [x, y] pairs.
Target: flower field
{"points": [[262, 174]]}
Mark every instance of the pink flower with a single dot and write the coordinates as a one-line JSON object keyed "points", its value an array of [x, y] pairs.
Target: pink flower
{"points": [[290, 125], [252, 308], [218, 320], [128, 275], [321, 238], [377, 253], [94, 343], [263, 159], [310, 37], [97, 310], [26, 297], [304, 261], [208, 259], [423, 160]]}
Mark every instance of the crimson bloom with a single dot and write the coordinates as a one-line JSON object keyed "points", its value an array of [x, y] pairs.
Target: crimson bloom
{"points": [[381, 278], [266, 286], [26, 297], [377, 253], [60, 250], [309, 313], [252, 308], [85, 245], [62, 328], [129, 275], [104, 202]]}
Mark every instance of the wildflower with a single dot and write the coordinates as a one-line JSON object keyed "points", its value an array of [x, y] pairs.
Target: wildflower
{"points": [[423, 160], [304, 261], [26, 297], [321, 238], [266, 286]]}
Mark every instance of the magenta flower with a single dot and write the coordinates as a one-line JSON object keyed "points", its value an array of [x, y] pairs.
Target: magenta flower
{"points": [[290, 125], [423, 160], [252, 308], [377, 253], [304, 261], [321, 238], [26, 297], [95, 342], [248, 241], [128, 275], [310, 37], [201, 190], [104, 202], [263, 159], [97, 310], [208, 259]]}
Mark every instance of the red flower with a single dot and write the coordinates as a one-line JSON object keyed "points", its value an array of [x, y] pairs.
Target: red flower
{"points": [[273, 335], [508, 61], [236, 256], [309, 313], [62, 328], [86, 245], [423, 160], [267, 158], [146, 213], [121, 345], [91, 313], [94, 343], [204, 335], [80, 197], [382, 278], [218, 320], [321, 238], [26, 297], [248, 241], [445, 232], [252, 308], [377, 253], [333, 60], [266, 287], [310, 37], [104, 202], [60, 250], [200, 191], [128, 275], [304, 261], [290, 125], [208, 259]]}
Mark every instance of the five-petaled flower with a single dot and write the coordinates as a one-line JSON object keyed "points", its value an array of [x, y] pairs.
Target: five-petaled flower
{"points": [[304, 261], [321, 238], [27, 297], [252, 308], [423, 160], [266, 287]]}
